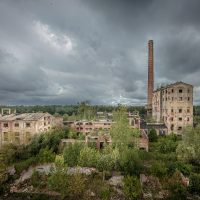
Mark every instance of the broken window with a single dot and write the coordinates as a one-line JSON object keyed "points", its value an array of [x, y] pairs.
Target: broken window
{"points": [[28, 125], [28, 136], [5, 125], [179, 128], [16, 124], [17, 138], [5, 136]]}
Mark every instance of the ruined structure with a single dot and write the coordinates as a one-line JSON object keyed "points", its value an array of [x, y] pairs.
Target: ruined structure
{"points": [[173, 105], [20, 128], [170, 106], [86, 127]]}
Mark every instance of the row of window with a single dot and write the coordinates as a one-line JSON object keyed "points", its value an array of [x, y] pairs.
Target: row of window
{"points": [[27, 124], [90, 123], [172, 99], [16, 137], [179, 128], [180, 110], [172, 91], [81, 128]]}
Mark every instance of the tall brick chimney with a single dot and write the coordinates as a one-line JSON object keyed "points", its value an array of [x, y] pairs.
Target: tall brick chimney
{"points": [[150, 74]]}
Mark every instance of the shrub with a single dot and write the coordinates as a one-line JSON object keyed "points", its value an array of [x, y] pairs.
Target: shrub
{"points": [[46, 155], [194, 185], [24, 165], [183, 168], [153, 135], [105, 193], [88, 157], [166, 145], [77, 186], [35, 179], [132, 188], [71, 154], [58, 179], [177, 191], [158, 169], [130, 162]]}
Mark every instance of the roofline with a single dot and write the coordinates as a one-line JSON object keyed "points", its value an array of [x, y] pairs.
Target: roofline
{"points": [[172, 84]]}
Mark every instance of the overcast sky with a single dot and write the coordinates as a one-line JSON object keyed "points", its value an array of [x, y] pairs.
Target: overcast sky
{"points": [[65, 51]]}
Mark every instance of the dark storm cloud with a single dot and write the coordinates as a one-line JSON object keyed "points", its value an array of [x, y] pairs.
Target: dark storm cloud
{"points": [[65, 51]]}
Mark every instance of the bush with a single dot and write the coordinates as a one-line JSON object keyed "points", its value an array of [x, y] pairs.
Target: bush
{"points": [[132, 188], [58, 179], [88, 157], [194, 186], [105, 193], [185, 169], [24, 165], [153, 137], [130, 162], [166, 145], [177, 191], [77, 186], [35, 179], [46, 156], [158, 169], [71, 154]]}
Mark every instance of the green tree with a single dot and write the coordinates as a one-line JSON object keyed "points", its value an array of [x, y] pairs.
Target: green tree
{"points": [[71, 154], [58, 179], [167, 145], [88, 157], [130, 162], [132, 188], [46, 156], [189, 149], [153, 137], [86, 111], [65, 117], [121, 132]]}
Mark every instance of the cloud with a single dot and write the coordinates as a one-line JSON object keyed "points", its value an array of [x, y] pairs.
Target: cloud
{"points": [[65, 51], [60, 42]]}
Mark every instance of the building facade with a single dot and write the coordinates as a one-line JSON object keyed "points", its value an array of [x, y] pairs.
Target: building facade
{"points": [[20, 128], [173, 105], [90, 126]]}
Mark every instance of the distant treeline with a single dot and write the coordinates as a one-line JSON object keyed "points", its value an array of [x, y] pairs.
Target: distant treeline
{"points": [[70, 109], [73, 109]]}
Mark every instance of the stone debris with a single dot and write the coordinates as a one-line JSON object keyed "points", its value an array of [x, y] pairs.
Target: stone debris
{"points": [[116, 181]]}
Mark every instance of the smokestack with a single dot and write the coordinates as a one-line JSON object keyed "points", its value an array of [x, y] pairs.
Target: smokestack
{"points": [[150, 74]]}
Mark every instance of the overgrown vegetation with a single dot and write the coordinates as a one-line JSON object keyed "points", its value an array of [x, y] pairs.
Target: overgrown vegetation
{"points": [[168, 163]]}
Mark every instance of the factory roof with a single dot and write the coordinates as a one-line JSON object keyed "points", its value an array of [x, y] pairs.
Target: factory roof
{"points": [[171, 85], [24, 116]]}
